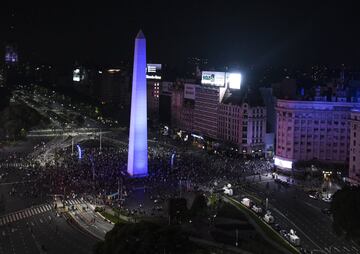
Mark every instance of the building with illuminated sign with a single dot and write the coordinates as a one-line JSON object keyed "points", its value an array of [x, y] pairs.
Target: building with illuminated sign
{"points": [[312, 130], [237, 117]]}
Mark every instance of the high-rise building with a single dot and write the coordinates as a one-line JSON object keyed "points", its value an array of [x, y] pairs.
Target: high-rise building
{"points": [[312, 130], [354, 160], [177, 100], [138, 148], [153, 76], [206, 111], [11, 55], [165, 102], [2, 78], [115, 86]]}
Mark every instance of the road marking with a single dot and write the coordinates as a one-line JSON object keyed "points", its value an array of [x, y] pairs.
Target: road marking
{"points": [[344, 247], [42, 209], [1, 222]]}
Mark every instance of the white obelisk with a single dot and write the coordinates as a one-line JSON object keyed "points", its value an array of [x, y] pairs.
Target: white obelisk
{"points": [[138, 148]]}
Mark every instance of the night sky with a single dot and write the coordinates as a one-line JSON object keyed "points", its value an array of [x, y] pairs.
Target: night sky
{"points": [[225, 32]]}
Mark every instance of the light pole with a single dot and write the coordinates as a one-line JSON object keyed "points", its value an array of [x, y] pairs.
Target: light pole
{"points": [[100, 141], [237, 238], [72, 145], [266, 203]]}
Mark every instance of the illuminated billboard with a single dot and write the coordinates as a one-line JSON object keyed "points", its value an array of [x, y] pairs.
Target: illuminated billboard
{"points": [[230, 80], [78, 74], [153, 71], [285, 164], [233, 80], [213, 78], [189, 91]]}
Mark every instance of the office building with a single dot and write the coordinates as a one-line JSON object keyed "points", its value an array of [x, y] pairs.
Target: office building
{"points": [[354, 160], [312, 130]]}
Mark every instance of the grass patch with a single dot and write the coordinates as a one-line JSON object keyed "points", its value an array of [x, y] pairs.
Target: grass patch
{"points": [[268, 230], [112, 218]]}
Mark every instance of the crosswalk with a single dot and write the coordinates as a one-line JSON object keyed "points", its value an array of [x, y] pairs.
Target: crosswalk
{"points": [[28, 212], [76, 201]]}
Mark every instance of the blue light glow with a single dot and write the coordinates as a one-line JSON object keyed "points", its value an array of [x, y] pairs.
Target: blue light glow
{"points": [[172, 160], [79, 152], [138, 154]]}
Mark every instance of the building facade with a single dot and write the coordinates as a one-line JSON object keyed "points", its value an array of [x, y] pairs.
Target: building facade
{"points": [[153, 95], [312, 130], [354, 162], [206, 111], [213, 113], [243, 125]]}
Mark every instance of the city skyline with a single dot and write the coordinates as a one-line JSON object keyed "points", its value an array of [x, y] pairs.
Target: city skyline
{"points": [[231, 127]]}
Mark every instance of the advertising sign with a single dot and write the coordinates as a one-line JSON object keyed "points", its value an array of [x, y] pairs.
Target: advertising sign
{"points": [[153, 71], [189, 91], [213, 78], [233, 80]]}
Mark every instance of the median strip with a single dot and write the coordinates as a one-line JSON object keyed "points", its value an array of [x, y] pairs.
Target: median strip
{"points": [[273, 236]]}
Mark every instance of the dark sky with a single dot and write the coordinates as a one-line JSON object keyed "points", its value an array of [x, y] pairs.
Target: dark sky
{"points": [[225, 32]]}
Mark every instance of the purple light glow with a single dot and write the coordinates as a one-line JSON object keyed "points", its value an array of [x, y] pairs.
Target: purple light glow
{"points": [[138, 154]]}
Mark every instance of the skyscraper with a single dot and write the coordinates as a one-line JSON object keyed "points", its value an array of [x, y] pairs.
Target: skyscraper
{"points": [[138, 154]]}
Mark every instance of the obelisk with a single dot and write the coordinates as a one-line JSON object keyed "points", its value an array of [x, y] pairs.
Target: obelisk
{"points": [[138, 148]]}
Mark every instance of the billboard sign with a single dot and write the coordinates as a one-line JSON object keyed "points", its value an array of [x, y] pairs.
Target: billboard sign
{"points": [[153, 71], [213, 78], [189, 91], [233, 80], [285, 164]]}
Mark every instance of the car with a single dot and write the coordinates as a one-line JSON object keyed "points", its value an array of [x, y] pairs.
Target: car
{"points": [[326, 199], [305, 251], [313, 194], [283, 232]]}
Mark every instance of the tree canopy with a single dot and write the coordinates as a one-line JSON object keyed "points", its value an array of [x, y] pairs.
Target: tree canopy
{"points": [[345, 207], [146, 237]]}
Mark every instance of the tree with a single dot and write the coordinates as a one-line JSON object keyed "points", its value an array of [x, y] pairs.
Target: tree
{"points": [[345, 207], [199, 206], [146, 237], [177, 209], [5, 95]]}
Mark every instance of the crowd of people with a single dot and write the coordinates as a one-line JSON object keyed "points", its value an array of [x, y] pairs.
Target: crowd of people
{"points": [[103, 173]]}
